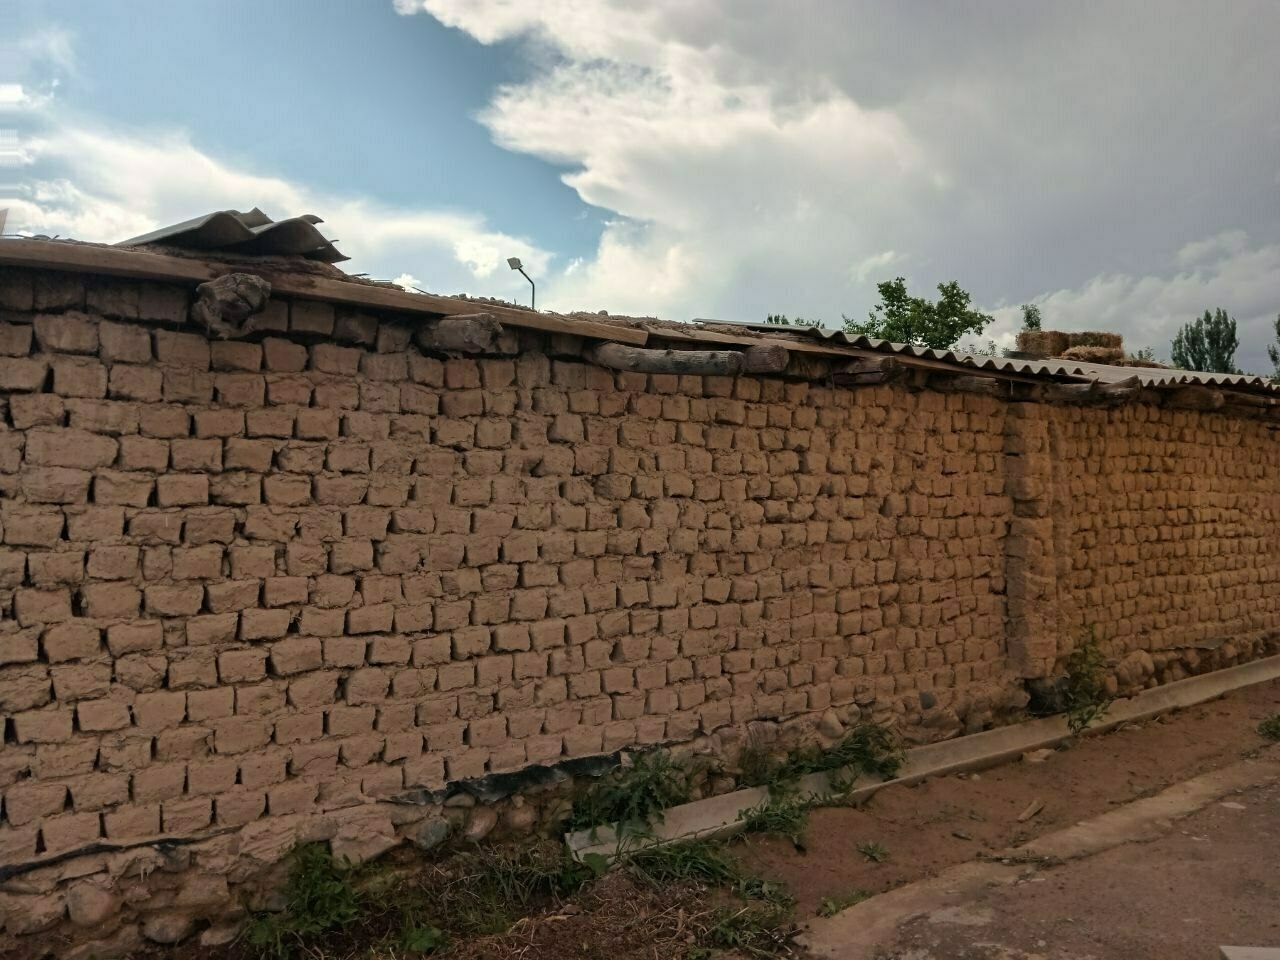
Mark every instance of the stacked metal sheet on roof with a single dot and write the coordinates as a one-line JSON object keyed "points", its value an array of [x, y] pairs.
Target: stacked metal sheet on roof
{"points": [[252, 233]]}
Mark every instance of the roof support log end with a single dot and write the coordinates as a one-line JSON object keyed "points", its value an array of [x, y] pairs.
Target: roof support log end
{"points": [[462, 333]]}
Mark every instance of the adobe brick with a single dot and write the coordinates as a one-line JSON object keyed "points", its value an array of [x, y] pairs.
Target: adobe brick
{"points": [[311, 316], [177, 600], [235, 355], [240, 666], [193, 455], [66, 333], [270, 422], [185, 817], [32, 527], [99, 716], [187, 350], [123, 343], [69, 831], [79, 377], [240, 389], [144, 453], [50, 725], [219, 423], [55, 485], [110, 601], [317, 424], [15, 340], [70, 448], [196, 563], [136, 637], [32, 607], [217, 525], [26, 802], [125, 489], [71, 640], [242, 454], [283, 356], [108, 561], [23, 374], [263, 624], [29, 410], [182, 490], [371, 619], [80, 681], [164, 420], [230, 595]]}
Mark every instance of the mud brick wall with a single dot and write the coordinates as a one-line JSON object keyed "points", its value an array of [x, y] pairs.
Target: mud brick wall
{"points": [[1167, 537], [252, 590]]}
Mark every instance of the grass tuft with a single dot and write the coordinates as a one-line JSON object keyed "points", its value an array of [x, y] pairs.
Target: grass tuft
{"points": [[784, 815], [1269, 728], [320, 897], [830, 906], [633, 797], [1085, 691], [875, 852]]}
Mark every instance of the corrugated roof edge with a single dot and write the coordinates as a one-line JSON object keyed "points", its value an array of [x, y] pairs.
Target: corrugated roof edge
{"points": [[300, 278], [1053, 367]]}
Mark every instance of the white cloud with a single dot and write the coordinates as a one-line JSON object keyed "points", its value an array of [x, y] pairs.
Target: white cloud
{"points": [[104, 186], [761, 157], [408, 281], [1227, 271]]}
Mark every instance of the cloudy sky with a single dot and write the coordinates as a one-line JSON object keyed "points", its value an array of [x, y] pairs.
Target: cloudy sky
{"points": [[1117, 163]]}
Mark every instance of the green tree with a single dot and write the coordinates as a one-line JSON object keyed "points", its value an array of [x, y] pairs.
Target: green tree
{"points": [[1273, 350], [781, 320], [905, 319], [1207, 344], [1030, 317]]}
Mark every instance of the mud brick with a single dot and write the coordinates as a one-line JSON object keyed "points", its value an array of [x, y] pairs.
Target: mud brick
{"points": [[22, 374], [289, 391], [316, 424], [163, 420], [286, 490], [353, 327], [195, 563], [285, 591], [231, 595], [36, 410], [31, 527], [20, 646], [144, 384], [51, 725], [125, 489], [26, 802], [235, 355], [236, 489], [184, 817], [240, 666], [263, 624], [253, 455], [113, 562], [72, 640], [240, 389], [187, 350], [252, 561], [41, 606], [131, 821], [219, 423], [70, 448], [97, 716], [211, 526], [110, 601], [196, 454], [144, 453], [69, 831], [177, 600], [78, 377], [55, 485], [120, 343], [283, 356], [66, 333], [311, 317], [137, 637]]}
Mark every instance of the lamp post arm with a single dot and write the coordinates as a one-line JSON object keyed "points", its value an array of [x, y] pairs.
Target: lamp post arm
{"points": [[533, 297]]}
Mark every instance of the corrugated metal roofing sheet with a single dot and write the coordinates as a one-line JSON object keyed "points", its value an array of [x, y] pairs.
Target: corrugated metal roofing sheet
{"points": [[246, 233], [1053, 367]]}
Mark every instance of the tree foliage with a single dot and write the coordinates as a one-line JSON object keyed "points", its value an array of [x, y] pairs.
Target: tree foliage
{"points": [[1030, 317], [902, 318], [1273, 349], [1207, 344], [781, 320]]}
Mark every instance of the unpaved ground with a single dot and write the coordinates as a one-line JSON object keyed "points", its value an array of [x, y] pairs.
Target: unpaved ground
{"points": [[953, 819], [1212, 880]]}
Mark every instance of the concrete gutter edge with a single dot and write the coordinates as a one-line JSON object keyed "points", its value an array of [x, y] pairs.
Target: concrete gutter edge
{"points": [[722, 815]]}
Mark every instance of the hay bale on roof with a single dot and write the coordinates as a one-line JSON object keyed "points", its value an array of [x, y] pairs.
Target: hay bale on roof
{"points": [[1095, 338], [1042, 343]]}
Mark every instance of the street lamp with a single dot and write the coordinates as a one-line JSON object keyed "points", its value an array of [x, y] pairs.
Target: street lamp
{"points": [[514, 264]]}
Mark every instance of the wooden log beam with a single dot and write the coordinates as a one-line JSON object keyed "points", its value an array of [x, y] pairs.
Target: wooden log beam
{"points": [[986, 386], [466, 333], [872, 377], [1068, 392], [765, 358], [1251, 400], [140, 264], [617, 356]]}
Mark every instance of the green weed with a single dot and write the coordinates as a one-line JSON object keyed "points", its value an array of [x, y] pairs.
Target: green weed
{"points": [[320, 897], [830, 906], [1085, 690], [873, 851], [783, 815], [752, 929], [1270, 727], [633, 797]]}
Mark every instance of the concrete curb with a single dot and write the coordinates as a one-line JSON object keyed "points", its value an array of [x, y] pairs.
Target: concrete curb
{"points": [[856, 932], [722, 815]]}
